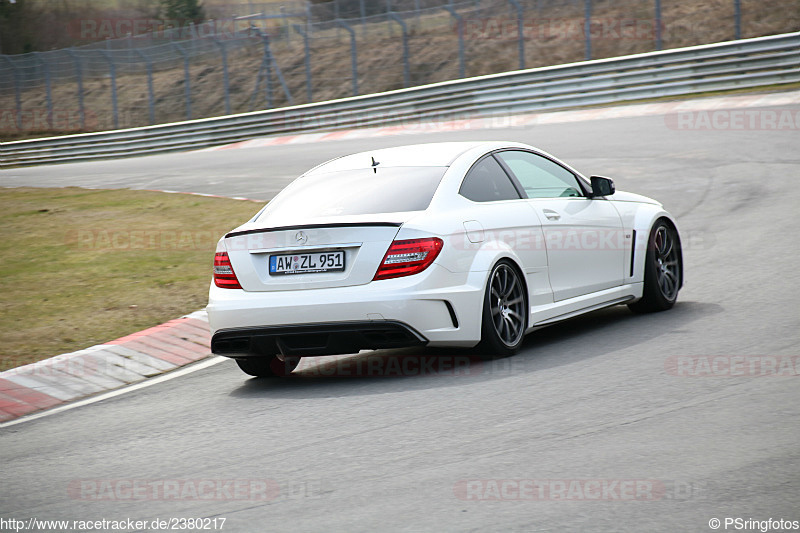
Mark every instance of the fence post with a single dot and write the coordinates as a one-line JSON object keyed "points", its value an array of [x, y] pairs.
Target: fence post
{"points": [[267, 72], [520, 34], [270, 59], [587, 27], [278, 72], [737, 7], [406, 75], [195, 36], [307, 51], [47, 86], [336, 17], [187, 83], [460, 22], [150, 98], [389, 30], [286, 28], [79, 78], [268, 78], [17, 96], [225, 81], [353, 53], [112, 70], [261, 69], [659, 44]]}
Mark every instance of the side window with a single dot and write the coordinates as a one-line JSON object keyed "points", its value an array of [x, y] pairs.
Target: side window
{"points": [[486, 181], [540, 177]]}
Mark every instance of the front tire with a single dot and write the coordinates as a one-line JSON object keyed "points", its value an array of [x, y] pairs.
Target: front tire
{"points": [[268, 366], [505, 311], [663, 270]]}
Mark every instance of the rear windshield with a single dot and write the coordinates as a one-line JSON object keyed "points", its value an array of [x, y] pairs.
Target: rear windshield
{"points": [[356, 192]]}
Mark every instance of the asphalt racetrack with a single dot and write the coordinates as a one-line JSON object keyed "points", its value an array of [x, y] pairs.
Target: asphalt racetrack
{"points": [[599, 424]]}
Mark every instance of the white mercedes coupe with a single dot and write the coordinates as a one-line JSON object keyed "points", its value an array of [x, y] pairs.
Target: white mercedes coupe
{"points": [[449, 244]]}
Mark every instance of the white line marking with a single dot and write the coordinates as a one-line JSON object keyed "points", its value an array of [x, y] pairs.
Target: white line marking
{"points": [[118, 392]]}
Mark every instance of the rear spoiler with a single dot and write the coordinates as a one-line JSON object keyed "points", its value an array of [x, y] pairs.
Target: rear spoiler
{"points": [[314, 226]]}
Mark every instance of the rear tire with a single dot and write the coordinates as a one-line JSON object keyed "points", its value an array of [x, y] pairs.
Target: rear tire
{"points": [[505, 311], [663, 270], [268, 366]]}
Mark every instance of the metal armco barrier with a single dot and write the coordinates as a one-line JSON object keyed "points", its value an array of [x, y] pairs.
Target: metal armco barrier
{"points": [[759, 62]]}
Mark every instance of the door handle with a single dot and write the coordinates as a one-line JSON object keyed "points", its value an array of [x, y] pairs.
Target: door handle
{"points": [[550, 214]]}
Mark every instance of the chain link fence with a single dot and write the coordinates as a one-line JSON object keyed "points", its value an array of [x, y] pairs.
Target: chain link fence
{"points": [[257, 56]]}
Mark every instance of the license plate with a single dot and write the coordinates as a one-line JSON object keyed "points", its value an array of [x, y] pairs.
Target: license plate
{"points": [[306, 263]]}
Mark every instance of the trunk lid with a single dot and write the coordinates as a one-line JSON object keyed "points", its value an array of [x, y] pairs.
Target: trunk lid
{"points": [[363, 241]]}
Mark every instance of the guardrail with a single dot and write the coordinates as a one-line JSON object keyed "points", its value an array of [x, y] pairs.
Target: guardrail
{"points": [[747, 63]]}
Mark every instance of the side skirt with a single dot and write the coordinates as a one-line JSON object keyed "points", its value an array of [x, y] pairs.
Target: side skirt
{"points": [[550, 314]]}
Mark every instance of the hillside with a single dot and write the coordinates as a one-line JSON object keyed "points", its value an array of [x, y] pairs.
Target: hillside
{"points": [[553, 35]]}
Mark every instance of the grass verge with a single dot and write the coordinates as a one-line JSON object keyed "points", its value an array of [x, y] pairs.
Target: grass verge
{"points": [[82, 267]]}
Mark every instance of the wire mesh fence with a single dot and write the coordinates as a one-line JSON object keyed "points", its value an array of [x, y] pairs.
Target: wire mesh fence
{"points": [[257, 56]]}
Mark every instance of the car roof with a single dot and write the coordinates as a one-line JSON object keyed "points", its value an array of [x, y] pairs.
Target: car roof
{"points": [[415, 155]]}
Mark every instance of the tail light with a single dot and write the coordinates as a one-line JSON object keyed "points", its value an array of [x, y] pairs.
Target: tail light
{"points": [[408, 257], [224, 276]]}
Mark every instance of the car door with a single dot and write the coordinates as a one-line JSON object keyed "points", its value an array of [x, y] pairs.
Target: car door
{"points": [[498, 217], [583, 236]]}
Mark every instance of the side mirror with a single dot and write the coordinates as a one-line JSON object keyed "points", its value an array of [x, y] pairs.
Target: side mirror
{"points": [[602, 186]]}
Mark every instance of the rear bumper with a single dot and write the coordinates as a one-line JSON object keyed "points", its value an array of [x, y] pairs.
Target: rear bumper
{"points": [[438, 307], [315, 339]]}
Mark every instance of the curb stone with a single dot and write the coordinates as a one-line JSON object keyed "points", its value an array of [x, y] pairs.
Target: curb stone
{"points": [[104, 367]]}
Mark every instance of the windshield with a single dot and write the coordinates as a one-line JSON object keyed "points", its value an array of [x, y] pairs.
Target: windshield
{"points": [[355, 192]]}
